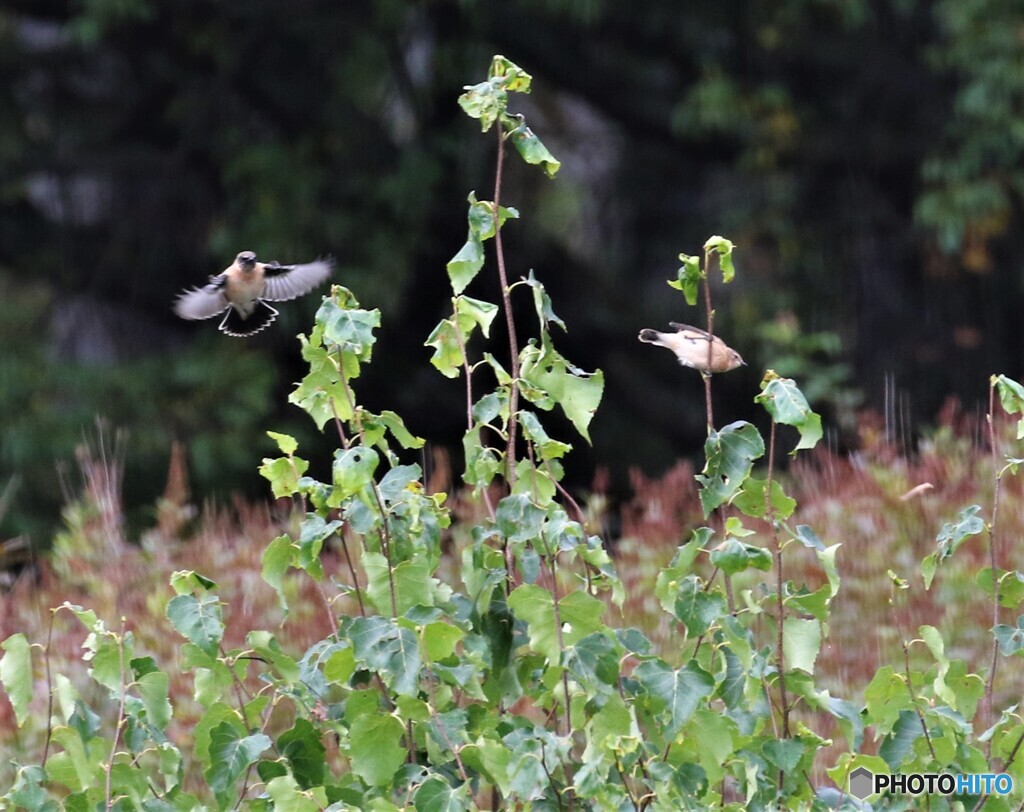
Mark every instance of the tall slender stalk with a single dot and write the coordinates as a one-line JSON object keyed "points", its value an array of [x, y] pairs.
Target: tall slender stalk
{"points": [[769, 512], [993, 559], [706, 376], [506, 299], [711, 337]]}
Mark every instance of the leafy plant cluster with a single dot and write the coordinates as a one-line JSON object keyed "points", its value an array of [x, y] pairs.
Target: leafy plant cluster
{"points": [[515, 688]]}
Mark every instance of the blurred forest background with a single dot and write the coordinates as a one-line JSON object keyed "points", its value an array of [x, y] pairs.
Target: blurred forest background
{"points": [[865, 156]]}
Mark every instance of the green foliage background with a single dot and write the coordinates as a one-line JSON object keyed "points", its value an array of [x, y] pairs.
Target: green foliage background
{"points": [[864, 154]]}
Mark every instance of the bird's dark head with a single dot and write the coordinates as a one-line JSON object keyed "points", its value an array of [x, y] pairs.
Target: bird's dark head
{"points": [[246, 259]]}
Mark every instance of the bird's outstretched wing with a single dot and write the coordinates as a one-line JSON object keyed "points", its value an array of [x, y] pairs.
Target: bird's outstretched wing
{"points": [[203, 303], [286, 282], [694, 332]]}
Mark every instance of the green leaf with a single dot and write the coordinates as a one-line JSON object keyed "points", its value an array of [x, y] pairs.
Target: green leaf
{"points": [[437, 795], [153, 689], [283, 474], [509, 75], [547, 447], [1010, 638], [724, 249], [579, 614], [80, 764], [886, 696], [288, 796], [277, 558], [732, 687], [678, 691], [376, 752], [899, 744], [285, 442], [784, 401], [542, 303], [440, 639], [750, 500], [412, 581], [352, 471], [448, 357], [482, 462], [734, 556], [393, 651], [16, 674], [106, 656], [305, 753], [554, 380], [396, 426], [697, 608], [474, 312], [666, 586], [348, 327], [231, 754], [530, 148], [340, 665], [812, 603], [594, 661], [199, 620], [801, 642], [484, 101], [183, 582], [953, 534], [785, 754], [688, 278], [806, 536], [518, 518], [1011, 396], [730, 455], [466, 264], [450, 337], [27, 791], [322, 393], [267, 646]]}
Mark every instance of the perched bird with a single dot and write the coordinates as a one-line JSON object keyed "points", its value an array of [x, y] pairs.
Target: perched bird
{"points": [[690, 345], [242, 291]]}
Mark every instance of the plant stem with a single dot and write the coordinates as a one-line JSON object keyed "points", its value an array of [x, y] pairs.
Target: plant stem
{"points": [[49, 689], [769, 513], [909, 679], [344, 544], [993, 559], [707, 392], [711, 337], [506, 298], [120, 715]]}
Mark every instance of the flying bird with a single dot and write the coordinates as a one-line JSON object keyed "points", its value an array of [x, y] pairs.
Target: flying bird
{"points": [[690, 344], [242, 291]]}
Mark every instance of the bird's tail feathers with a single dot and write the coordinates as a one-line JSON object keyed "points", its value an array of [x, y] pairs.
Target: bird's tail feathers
{"points": [[235, 324]]}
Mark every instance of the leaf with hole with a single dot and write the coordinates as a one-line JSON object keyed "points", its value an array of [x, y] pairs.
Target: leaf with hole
{"points": [[730, 454]]}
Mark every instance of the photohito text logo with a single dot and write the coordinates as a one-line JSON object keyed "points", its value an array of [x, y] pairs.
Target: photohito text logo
{"points": [[863, 783]]}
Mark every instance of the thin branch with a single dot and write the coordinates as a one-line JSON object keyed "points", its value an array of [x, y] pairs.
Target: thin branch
{"points": [[779, 584], [385, 540], [344, 544], [909, 680], [49, 689], [352, 572], [993, 559], [711, 337], [506, 298], [120, 715], [467, 369]]}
